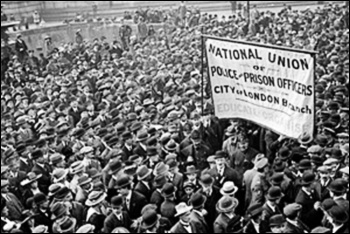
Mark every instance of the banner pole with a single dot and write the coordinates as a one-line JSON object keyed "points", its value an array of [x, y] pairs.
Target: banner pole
{"points": [[202, 73], [315, 101]]}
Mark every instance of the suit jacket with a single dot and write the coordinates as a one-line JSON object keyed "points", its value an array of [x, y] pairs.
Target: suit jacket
{"points": [[220, 224], [137, 202], [301, 228], [178, 182], [268, 212], [21, 46], [78, 212], [76, 116], [167, 210], [141, 188], [140, 151], [157, 199], [43, 219], [229, 175], [25, 167], [15, 183], [127, 153], [309, 215], [113, 222], [342, 203], [45, 181], [199, 155], [98, 221], [14, 206], [178, 228], [200, 221], [210, 206], [249, 228], [344, 229]]}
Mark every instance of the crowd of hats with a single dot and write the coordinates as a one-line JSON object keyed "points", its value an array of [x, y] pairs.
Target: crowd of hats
{"points": [[79, 120]]}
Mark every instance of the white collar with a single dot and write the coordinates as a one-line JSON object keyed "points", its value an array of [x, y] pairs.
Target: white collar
{"points": [[129, 196], [199, 213], [271, 207], [340, 197], [335, 229], [307, 192], [295, 223], [256, 226]]}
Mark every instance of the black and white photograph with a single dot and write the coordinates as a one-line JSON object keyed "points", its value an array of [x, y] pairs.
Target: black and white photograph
{"points": [[174, 116]]}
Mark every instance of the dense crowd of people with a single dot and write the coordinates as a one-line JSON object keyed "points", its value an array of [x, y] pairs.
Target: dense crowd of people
{"points": [[102, 137]]}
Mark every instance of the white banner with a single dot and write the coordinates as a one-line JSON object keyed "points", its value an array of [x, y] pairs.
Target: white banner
{"points": [[269, 86]]}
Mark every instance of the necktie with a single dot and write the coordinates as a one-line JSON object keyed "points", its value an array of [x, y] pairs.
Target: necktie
{"points": [[127, 201]]}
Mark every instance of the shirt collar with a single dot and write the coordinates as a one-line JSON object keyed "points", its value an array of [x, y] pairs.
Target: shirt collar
{"points": [[295, 223], [335, 229], [271, 207], [307, 192]]}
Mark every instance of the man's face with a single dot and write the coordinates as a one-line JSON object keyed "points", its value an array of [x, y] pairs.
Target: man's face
{"points": [[118, 210], [40, 160], [186, 217], [278, 229], [324, 175], [243, 145], [220, 162], [124, 192]]}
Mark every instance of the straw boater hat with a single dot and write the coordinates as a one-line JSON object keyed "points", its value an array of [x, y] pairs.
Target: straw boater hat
{"points": [[229, 189], [31, 178], [227, 204], [95, 198]]}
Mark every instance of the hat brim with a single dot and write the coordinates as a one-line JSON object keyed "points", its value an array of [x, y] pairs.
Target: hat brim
{"points": [[61, 178], [28, 182], [222, 192], [101, 199], [146, 227], [86, 182], [273, 198], [191, 172], [220, 209], [74, 223], [189, 209], [202, 204], [146, 175]]}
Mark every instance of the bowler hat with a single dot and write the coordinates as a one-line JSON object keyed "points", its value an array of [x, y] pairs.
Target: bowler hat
{"points": [[220, 154], [168, 190], [207, 179], [255, 210], [337, 186], [274, 193], [308, 179], [339, 214], [277, 220], [115, 166], [39, 199], [149, 219], [198, 200], [117, 201]]}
